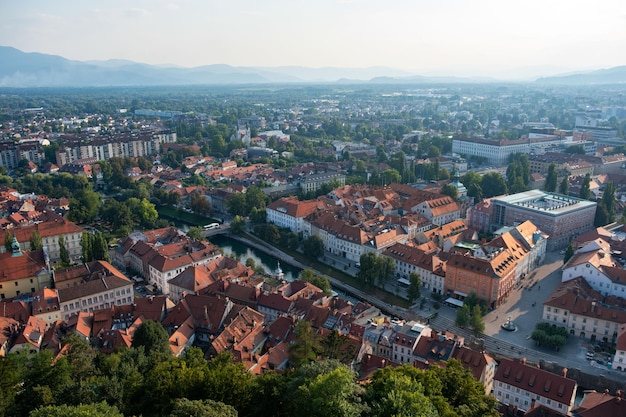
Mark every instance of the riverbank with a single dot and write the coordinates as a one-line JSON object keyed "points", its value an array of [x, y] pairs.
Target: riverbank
{"points": [[374, 299]]}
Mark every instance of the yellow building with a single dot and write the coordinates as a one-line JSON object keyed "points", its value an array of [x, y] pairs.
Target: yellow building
{"points": [[23, 272]]}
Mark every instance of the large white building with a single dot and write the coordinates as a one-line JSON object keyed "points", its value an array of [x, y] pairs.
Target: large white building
{"points": [[290, 213], [498, 151]]}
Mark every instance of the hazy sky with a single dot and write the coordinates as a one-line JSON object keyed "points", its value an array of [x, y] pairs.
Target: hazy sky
{"points": [[447, 37]]}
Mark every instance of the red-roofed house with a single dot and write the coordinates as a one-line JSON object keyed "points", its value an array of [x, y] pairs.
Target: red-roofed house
{"points": [[92, 286], [30, 338], [519, 384], [603, 404]]}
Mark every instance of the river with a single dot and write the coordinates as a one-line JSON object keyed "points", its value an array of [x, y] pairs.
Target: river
{"points": [[235, 249]]}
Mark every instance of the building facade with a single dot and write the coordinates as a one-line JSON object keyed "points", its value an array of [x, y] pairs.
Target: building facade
{"points": [[561, 217]]}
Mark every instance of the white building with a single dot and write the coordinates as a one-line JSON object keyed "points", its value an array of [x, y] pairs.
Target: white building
{"points": [[290, 213], [595, 264]]}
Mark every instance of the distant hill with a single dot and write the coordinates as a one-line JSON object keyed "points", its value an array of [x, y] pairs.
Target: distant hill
{"points": [[615, 75], [22, 69]]}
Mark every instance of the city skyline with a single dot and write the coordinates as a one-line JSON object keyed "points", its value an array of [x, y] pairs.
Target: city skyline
{"points": [[505, 40]]}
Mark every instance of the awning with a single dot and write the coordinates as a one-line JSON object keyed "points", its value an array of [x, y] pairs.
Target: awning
{"points": [[462, 294], [454, 302]]}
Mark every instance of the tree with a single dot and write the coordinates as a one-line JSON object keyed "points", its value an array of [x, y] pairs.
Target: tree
{"points": [[550, 335], [153, 338], [569, 252], [415, 285], [64, 255], [585, 191], [218, 145], [608, 199], [35, 241], [84, 410], [321, 282], [238, 224], [8, 241], [227, 381], [86, 246], [306, 345], [201, 408], [236, 205], [143, 211], [551, 178], [564, 186], [255, 197], [313, 247], [100, 247], [451, 191], [195, 233], [200, 204], [602, 215], [476, 320], [84, 205], [493, 184], [463, 315], [332, 394]]}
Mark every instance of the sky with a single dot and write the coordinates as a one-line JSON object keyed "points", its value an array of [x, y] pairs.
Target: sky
{"points": [[492, 38]]}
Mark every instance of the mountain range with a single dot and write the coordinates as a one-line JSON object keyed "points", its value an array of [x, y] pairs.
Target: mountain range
{"points": [[30, 69]]}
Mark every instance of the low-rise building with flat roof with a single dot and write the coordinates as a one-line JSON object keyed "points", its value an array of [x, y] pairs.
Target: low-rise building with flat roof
{"points": [[561, 217]]}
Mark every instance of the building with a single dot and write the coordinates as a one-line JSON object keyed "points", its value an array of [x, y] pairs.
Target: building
{"points": [[601, 404], [595, 263], [409, 259], [576, 306], [91, 286], [101, 148], [619, 359], [481, 365], [168, 261], [561, 217], [523, 386], [313, 182], [498, 151], [490, 278], [405, 339], [50, 232], [23, 272], [290, 213]]}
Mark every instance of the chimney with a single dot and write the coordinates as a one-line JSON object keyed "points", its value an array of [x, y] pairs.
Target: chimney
{"points": [[593, 306], [532, 404], [564, 373], [206, 313], [524, 360], [176, 341]]}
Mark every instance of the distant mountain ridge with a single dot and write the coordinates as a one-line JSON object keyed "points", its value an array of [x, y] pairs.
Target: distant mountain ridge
{"points": [[31, 69], [615, 75]]}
